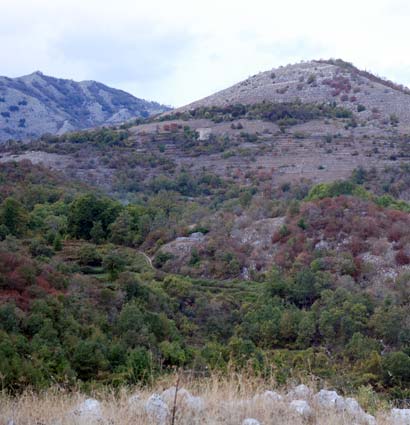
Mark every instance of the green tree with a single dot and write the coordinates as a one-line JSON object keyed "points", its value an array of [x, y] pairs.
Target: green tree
{"points": [[13, 216]]}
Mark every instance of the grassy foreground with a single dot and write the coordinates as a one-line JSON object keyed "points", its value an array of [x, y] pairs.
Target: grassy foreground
{"points": [[224, 398]]}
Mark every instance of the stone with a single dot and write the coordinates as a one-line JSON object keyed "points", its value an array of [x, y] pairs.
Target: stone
{"points": [[369, 419], [251, 421], [400, 416], [88, 412], [134, 402], [157, 410], [328, 399], [195, 404], [301, 407], [301, 392], [169, 395], [267, 397], [184, 400]]}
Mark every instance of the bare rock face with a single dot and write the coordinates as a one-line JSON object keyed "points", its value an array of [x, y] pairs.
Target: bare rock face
{"points": [[36, 104]]}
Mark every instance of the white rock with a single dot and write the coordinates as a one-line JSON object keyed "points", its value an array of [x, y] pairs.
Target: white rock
{"points": [[350, 405], [301, 392], [88, 412], [157, 410], [369, 419], [400, 416], [184, 399], [169, 395], [267, 397], [301, 407], [251, 421], [194, 404], [134, 402], [329, 399], [11, 422]]}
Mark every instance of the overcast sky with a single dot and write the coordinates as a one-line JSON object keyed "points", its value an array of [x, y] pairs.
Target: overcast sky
{"points": [[176, 51]]}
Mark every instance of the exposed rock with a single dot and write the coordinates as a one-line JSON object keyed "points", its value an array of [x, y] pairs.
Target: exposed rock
{"points": [[301, 392], [169, 395], [88, 412], [328, 399], [251, 421], [267, 397], [301, 407], [400, 416], [157, 410], [134, 402], [369, 419], [184, 399]]}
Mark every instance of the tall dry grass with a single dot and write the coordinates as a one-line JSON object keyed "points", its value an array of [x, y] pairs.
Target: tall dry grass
{"points": [[225, 403]]}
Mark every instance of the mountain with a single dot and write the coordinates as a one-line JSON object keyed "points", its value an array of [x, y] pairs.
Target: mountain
{"points": [[36, 104], [318, 82]]}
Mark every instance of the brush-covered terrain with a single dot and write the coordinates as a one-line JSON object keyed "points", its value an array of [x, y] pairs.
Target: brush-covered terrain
{"points": [[269, 235]]}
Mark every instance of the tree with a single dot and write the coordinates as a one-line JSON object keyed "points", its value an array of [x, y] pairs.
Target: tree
{"points": [[396, 368], [113, 263], [122, 231], [13, 216], [97, 233], [87, 210]]}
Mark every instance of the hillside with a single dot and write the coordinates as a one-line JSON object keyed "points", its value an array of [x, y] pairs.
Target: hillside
{"points": [[320, 82], [270, 237], [36, 104]]}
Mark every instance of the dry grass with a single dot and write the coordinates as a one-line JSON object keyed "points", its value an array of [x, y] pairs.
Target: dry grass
{"points": [[225, 401]]}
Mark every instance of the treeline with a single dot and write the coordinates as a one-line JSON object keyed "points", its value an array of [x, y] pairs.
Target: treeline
{"points": [[284, 114]]}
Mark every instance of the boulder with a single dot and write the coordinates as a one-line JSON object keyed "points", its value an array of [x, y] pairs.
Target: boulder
{"points": [[369, 419], [350, 406], [184, 400], [169, 395], [329, 399], [267, 397], [194, 404], [400, 416], [302, 408], [88, 412], [301, 392], [251, 421], [134, 402], [157, 410]]}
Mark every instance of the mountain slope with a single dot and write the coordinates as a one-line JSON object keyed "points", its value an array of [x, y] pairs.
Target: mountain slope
{"points": [[36, 104], [318, 82]]}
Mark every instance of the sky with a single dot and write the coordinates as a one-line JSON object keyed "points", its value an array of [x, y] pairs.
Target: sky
{"points": [[177, 51]]}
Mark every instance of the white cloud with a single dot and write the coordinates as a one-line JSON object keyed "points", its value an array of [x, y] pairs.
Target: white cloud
{"points": [[178, 51]]}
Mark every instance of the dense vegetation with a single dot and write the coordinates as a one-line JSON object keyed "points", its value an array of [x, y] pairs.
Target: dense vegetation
{"points": [[284, 114], [80, 302]]}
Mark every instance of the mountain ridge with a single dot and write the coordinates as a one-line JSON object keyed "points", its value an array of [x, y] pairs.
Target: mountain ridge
{"points": [[35, 104]]}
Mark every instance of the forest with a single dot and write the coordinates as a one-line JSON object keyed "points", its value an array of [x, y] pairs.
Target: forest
{"points": [[86, 297]]}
